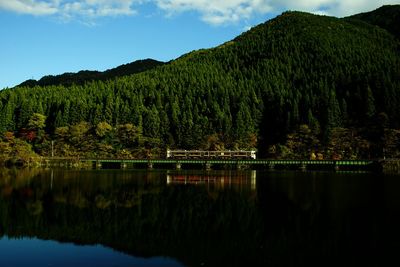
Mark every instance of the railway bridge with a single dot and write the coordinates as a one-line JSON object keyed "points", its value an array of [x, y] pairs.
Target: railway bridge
{"points": [[270, 164]]}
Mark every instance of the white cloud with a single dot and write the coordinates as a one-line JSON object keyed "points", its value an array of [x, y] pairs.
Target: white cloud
{"points": [[230, 11], [338, 8], [71, 8], [101, 8], [29, 6], [216, 12]]}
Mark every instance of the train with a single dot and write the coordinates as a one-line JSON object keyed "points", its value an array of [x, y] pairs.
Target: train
{"points": [[204, 154]]}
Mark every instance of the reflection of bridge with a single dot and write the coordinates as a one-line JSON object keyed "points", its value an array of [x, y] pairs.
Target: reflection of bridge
{"points": [[208, 164], [247, 178]]}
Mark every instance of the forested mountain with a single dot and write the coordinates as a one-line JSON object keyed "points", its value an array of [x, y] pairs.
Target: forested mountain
{"points": [[68, 79], [386, 17], [296, 84]]}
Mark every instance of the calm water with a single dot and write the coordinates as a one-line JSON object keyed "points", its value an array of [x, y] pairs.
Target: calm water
{"points": [[196, 218]]}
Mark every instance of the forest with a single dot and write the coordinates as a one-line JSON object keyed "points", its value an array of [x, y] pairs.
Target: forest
{"points": [[296, 85]]}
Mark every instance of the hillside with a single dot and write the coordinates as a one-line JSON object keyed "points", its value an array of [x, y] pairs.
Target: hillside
{"points": [[386, 17], [68, 79], [292, 85]]}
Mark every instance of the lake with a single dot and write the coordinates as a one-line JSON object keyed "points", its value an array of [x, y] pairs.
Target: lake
{"points": [[58, 217]]}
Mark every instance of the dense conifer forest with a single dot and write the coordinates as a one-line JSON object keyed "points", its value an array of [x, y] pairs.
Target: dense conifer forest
{"points": [[80, 78], [297, 86]]}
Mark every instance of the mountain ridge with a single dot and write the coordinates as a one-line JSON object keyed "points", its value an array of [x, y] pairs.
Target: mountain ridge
{"points": [[387, 17], [80, 77]]}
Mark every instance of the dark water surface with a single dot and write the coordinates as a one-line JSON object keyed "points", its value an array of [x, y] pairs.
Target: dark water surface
{"points": [[198, 218]]}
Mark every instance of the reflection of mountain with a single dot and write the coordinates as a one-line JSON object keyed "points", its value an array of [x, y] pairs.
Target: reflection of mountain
{"points": [[293, 219], [37, 252]]}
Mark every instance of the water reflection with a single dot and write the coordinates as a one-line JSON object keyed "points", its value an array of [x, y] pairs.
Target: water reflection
{"points": [[237, 180], [22, 252], [237, 218]]}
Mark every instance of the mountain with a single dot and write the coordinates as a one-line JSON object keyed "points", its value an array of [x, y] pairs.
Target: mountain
{"points": [[68, 79], [386, 17], [294, 84]]}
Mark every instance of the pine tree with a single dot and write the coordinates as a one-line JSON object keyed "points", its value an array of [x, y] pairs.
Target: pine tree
{"points": [[369, 103]]}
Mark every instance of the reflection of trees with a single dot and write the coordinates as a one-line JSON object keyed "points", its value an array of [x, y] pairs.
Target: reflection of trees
{"points": [[140, 215], [17, 177], [292, 220], [330, 219]]}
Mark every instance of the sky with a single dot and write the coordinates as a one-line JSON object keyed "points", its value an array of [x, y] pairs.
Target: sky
{"points": [[50, 37]]}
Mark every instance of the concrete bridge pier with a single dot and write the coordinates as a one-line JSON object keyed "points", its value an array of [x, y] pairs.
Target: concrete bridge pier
{"points": [[336, 167], [98, 165], [303, 167], [208, 166], [271, 166], [178, 166]]}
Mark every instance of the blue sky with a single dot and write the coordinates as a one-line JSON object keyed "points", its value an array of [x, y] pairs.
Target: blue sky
{"points": [[42, 37]]}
